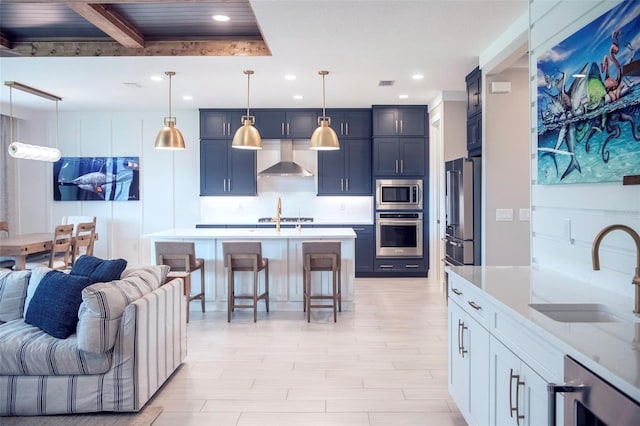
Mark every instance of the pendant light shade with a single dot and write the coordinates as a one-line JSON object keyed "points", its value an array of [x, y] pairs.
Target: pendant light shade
{"points": [[324, 138], [247, 136], [169, 137]]}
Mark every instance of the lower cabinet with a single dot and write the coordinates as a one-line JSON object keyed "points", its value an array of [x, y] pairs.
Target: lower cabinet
{"points": [[365, 249], [410, 266], [518, 394], [468, 359]]}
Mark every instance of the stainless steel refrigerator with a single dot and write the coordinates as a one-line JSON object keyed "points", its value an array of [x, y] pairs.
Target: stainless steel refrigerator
{"points": [[462, 231]]}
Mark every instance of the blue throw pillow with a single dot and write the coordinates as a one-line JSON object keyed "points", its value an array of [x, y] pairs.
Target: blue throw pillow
{"points": [[98, 270], [54, 306]]}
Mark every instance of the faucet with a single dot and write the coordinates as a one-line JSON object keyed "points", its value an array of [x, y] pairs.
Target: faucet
{"points": [[595, 256], [278, 214]]}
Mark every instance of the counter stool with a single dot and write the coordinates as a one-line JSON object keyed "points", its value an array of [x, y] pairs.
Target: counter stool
{"points": [[245, 256], [181, 257], [322, 256]]}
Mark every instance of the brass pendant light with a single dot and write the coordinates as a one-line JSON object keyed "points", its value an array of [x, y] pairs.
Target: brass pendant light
{"points": [[169, 137], [324, 138], [247, 136]]}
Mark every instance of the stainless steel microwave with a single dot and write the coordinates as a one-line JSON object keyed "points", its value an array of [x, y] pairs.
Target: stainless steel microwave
{"points": [[398, 194]]}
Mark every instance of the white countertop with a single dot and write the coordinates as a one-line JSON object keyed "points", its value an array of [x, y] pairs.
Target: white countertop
{"points": [[315, 222], [610, 349], [255, 233]]}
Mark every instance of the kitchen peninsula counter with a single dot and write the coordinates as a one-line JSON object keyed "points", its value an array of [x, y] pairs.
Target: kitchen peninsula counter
{"points": [[284, 251], [609, 349]]}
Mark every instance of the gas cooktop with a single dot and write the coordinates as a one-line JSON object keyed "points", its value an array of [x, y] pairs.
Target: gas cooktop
{"points": [[286, 220]]}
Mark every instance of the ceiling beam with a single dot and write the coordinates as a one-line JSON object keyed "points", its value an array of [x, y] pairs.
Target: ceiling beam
{"points": [[110, 22], [227, 47]]}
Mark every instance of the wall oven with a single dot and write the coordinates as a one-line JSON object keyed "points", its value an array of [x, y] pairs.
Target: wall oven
{"points": [[589, 400], [398, 194], [398, 234]]}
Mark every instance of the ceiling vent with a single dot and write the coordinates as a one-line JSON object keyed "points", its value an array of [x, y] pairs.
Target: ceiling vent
{"points": [[386, 82], [133, 84]]}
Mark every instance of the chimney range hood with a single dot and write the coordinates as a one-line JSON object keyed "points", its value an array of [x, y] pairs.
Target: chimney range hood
{"points": [[286, 166]]}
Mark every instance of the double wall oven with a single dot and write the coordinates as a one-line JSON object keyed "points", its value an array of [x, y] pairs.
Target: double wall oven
{"points": [[399, 226]]}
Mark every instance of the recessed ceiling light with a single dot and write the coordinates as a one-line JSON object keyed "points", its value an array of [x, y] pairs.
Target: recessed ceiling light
{"points": [[290, 77], [156, 78], [221, 18], [297, 97], [403, 96], [417, 76], [187, 97]]}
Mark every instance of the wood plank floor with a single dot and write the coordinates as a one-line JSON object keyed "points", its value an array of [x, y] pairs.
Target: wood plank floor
{"points": [[383, 364]]}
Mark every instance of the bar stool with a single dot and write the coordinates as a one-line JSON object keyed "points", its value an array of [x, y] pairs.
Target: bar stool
{"points": [[181, 257], [245, 256], [322, 256]]}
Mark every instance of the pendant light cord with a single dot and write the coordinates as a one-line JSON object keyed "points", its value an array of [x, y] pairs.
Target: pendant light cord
{"points": [[248, 92], [169, 74], [57, 127], [324, 114], [11, 114]]}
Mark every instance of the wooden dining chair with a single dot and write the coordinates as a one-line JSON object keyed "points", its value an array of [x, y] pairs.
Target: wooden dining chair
{"points": [[5, 261], [84, 240], [60, 255]]}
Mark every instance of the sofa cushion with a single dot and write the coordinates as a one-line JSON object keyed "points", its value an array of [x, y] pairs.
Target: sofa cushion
{"points": [[37, 274], [27, 350], [13, 292], [98, 270], [55, 303], [103, 305]]}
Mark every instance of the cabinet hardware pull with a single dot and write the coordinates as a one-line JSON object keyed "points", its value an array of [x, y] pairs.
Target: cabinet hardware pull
{"points": [[288, 130], [346, 128], [459, 345], [552, 389], [515, 408], [347, 185], [358, 229], [396, 125], [456, 291], [475, 306], [396, 166], [229, 185], [386, 266], [342, 185], [401, 166], [462, 349], [342, 129], [411, 265], [282, 129], [401, 127], [228, 129]]}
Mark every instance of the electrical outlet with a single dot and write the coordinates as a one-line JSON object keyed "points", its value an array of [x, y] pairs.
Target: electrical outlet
{"points": [[342, 207]]}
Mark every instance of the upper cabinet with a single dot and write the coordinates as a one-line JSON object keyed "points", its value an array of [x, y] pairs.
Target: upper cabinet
{"points": [[399, 120], [286, 124], [346, 171], [351, 123], [399, 157], [474, 112], [474, 92], [216, 123], [225, 170]]}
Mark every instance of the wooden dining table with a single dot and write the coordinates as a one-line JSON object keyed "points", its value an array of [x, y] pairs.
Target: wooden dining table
{"points": [[22, 245]]}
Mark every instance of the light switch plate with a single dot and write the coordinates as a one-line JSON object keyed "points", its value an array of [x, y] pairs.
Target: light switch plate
{"points": [[504, 215], [524, 215]]}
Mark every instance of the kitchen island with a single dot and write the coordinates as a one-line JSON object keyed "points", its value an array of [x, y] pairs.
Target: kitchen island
{"points": [[284, 251]]}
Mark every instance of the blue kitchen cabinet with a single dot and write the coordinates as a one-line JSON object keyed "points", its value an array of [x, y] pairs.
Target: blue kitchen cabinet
{"points": [[286, 124], [399, 157], [351, 123], [226, 171], [474, 135], [218, 123], [474, 112], [346, 171], [408, 120]]}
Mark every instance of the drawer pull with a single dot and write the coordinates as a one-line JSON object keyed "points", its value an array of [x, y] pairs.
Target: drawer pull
{"points": [[475, 306], [411, 265], [386, 266], [456, 291]]}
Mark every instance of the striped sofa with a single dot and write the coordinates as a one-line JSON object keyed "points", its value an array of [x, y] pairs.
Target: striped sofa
{"points": [[130, 337]]}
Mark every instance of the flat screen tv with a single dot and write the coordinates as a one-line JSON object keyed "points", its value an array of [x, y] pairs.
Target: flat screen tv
{"points": [[96, 179]]}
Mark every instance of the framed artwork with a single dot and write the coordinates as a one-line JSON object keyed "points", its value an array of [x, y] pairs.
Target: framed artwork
{"points": [[589, 102], [96, 179]]}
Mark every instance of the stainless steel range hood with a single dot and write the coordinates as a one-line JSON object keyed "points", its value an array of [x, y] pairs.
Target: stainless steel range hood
{"points": [[286, 166]]}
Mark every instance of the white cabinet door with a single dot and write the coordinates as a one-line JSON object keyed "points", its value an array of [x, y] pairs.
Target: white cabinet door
{"points": [[519, 394], [468, 365]]}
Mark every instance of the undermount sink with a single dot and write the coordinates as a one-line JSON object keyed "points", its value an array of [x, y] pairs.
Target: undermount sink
{"points": [[580, 312]]}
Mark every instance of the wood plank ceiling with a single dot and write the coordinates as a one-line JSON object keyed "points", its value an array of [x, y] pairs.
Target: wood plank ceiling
{"points": [[74, 28]]}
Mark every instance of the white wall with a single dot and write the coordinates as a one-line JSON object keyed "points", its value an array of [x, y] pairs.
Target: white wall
{"points": [[506, 169], [566, 218]]}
